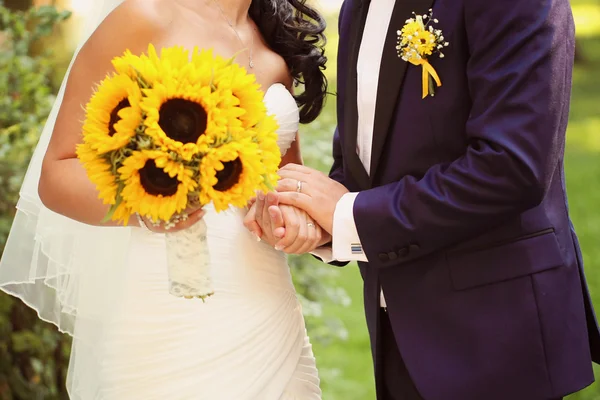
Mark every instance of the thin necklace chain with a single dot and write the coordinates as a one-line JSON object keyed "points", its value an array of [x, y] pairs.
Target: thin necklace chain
{"points": [[230, 23]]}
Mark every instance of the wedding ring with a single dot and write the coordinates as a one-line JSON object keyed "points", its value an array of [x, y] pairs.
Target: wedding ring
{"points": [[299, 187]]}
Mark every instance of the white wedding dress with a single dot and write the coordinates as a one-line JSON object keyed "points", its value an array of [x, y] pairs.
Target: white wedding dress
{"points": [[248, 341], [108, 287]]}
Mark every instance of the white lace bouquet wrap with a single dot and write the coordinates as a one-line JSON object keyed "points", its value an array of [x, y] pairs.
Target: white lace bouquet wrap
{"points": [[167, 134], [188, 260]]}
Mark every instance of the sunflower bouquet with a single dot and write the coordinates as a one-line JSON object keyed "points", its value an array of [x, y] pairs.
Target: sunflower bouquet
{"points": [[167, 134]]}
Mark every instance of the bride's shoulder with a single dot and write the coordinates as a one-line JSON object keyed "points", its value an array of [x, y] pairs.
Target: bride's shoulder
{"points": [[154, 14], [141, 15], [132, 25]]}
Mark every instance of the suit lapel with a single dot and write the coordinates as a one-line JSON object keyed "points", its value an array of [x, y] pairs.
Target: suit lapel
{"points": [[391, 76], [355, 166]]}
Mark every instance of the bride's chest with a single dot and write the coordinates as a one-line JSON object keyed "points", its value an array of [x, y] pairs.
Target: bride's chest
{"points": [[225, 43]]}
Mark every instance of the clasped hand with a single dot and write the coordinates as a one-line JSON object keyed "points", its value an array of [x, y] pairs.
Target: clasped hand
{"points": [[299, 217], [284, 227]]}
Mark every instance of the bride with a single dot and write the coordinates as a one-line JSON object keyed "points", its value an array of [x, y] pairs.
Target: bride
{"points": [[107, 285]]}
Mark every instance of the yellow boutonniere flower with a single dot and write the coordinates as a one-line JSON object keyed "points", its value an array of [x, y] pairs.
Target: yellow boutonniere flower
{"points": [[418, 40]]}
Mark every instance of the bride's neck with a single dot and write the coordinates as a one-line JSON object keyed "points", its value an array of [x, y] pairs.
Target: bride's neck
{"points": [[235, 10]]}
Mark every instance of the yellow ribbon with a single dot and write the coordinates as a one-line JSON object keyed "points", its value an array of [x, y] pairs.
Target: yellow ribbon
{"points": [[427, 70]]}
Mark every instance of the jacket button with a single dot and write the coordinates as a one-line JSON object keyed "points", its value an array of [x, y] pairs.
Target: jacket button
{"points": [[384, 257], [403, 252]]}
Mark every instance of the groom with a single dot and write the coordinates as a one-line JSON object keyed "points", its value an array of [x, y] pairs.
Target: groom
{"points": [[455, 205]]}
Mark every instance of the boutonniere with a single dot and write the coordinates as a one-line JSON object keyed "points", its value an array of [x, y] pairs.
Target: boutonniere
{"points": [[417, 41]]}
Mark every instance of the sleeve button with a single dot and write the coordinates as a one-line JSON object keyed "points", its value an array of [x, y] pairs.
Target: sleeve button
{"points": [[403, 252]]}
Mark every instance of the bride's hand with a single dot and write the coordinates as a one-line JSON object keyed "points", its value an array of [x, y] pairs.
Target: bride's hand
{"points": [[301, 234], [258, 220], [192, 219]]}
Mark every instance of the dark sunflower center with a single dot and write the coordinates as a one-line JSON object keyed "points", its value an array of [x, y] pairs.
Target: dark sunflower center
{"points": [[183, 120], [114, 116], [156, 182], [423, 41], [229, 176]]}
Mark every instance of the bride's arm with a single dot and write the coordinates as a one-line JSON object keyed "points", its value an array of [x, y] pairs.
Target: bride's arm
{"points": [[64, 187], [293, 155]]}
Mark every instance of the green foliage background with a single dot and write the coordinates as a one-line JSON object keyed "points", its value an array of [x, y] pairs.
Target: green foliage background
{"points": [[34, 356]]}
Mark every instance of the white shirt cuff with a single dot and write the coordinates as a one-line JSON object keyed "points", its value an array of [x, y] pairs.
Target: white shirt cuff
{"points": [[325, 253], [346, 244]]}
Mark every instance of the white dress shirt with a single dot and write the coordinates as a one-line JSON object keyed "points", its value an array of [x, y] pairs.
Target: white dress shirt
{"points": [[346, 244]]}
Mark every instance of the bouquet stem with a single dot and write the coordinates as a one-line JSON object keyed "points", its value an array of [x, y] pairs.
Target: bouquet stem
{"points": [[188, 262]]}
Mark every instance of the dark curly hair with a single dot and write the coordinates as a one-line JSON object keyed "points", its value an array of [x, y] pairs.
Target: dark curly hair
{"points": [[295, 31]]}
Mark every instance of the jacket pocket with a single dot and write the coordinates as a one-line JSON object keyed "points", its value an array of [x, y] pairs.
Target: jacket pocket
{"points": [[519, 257]]}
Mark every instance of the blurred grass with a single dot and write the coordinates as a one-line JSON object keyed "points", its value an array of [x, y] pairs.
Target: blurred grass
{"points": [[346, 366]]}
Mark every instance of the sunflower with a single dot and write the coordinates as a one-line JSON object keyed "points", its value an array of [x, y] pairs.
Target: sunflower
{"points": [[151, 67], [137, 68], [244, 87], [155, 185], [99, 172], [171, 58], [231, 174], [187, 118], [113, 114], [207, 65]]}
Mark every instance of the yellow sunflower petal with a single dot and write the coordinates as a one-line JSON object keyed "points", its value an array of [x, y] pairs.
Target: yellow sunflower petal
{"points": [[245, 154], [113, 114], [99, 171]]}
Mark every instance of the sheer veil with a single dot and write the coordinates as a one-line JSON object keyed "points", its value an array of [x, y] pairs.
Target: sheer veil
{"points": [[61, 268]]}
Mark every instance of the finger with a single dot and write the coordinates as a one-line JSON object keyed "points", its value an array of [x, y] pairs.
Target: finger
{"points": [[318, 237], [260, 211], [312, 237], [277, 222], [298, 200], [251, 224], [194, 217], [279, 233], [294, 176], [275, 213], [291, 185], [302, 236], [259, 201], [292, 227], [263, 210], [272, 199], [191, 220], [297, 168]]}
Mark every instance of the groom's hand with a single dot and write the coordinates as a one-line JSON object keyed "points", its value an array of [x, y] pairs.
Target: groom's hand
{"points": [[317, 194]]}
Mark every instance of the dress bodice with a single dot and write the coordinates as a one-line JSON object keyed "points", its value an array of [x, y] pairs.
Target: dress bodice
{"points": [[281, 104]]}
